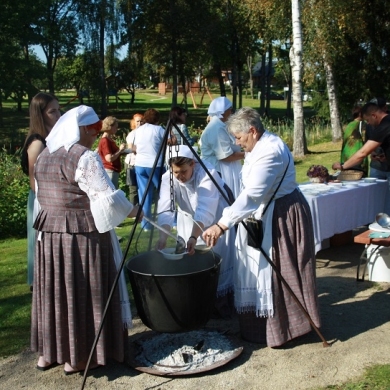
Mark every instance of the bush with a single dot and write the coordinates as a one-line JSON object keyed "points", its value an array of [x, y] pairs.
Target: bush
{"points": [[316, 130], [14, 190]]}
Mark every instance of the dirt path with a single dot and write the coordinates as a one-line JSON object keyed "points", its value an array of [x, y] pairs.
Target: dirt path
{"points": [[355, 317]]}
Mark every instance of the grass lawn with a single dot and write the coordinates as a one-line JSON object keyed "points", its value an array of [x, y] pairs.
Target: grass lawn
{"points": [[14, 124], [15, 297]]}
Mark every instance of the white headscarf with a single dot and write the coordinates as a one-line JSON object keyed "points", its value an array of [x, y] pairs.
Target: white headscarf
{"points": [[184, 151], [218, 106], [66, 131]]}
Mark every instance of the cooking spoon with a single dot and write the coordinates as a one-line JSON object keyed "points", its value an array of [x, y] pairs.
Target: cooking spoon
{"points": [[383, 220], [180, 243]]}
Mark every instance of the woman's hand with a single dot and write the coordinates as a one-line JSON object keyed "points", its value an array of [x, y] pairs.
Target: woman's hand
{"points": [[161, 243], [134, 211], [191, 243], [211, 235]]}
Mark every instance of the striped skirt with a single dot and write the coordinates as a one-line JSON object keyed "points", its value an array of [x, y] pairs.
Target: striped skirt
{"points": [[294, 255], [73, 276]]}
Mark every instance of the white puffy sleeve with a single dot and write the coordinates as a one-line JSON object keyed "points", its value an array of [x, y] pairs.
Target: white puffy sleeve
{"points": [[109, 206]]}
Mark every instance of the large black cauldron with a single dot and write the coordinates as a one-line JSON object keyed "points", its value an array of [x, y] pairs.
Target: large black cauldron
{"points": [[174, 295]]}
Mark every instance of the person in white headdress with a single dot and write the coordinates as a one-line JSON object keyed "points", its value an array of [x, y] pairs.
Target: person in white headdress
{"points": [[77, 250], [200, 205], [218, 147]]}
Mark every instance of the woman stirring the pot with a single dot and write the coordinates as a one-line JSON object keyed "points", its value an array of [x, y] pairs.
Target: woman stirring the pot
{"points": [[268, 178], [201, 204]]}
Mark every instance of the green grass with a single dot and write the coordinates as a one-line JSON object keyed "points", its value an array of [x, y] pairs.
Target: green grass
{"points": [[14, 124], [375, 378], [15, 297], [321, 154]]}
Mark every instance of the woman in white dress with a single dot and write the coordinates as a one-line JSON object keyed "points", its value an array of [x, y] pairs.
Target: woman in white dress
{"points": [[201, 204], [218, 147], [268, 178]]}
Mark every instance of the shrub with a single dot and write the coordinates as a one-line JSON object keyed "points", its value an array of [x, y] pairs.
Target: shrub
{"points": [[14, 190]]}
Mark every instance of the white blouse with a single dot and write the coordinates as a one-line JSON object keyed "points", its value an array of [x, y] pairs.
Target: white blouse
{"points": [[109, 206], [261, 173]]}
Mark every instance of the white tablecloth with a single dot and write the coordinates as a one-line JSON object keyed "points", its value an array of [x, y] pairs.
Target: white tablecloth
{"points": [[344, 209]]}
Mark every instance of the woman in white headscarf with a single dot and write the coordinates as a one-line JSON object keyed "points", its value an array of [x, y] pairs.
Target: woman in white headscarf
{"points": [[76, 246], [200, 205], [218, 147]]}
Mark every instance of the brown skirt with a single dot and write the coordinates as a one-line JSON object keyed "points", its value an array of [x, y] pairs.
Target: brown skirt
{"points": [[73, 276], [294, 256]]}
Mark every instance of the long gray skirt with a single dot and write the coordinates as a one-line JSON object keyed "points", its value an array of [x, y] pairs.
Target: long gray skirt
{"points": [[73, 276], [31, 233], [294, 255]]}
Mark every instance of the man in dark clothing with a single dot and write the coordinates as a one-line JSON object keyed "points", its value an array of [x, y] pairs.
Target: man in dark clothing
{"points": [[379, 168], [378, 140], [379, 137]]}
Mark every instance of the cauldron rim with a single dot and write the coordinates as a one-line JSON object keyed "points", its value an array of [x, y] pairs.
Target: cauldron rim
{"points": [[217, 262]]}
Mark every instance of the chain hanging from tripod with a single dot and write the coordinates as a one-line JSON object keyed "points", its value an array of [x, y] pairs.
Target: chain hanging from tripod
{"points": [[172, 194]]}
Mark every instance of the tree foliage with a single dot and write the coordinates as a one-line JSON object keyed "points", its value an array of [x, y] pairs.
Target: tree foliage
{"points": [[345, 46]]}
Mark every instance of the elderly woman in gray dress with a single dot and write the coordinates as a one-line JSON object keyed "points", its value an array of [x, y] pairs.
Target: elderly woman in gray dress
{"points": [[261, 300], [76, 250]]}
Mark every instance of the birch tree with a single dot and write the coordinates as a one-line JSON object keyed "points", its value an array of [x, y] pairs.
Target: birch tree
{"points": [[333, 105], [325, 21], [299, 147]]}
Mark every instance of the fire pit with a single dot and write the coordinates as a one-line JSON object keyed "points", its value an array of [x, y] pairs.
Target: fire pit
{"points": [[182, 353]]}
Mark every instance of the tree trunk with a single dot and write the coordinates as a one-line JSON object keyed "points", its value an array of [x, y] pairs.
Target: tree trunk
{"points": [[239, 85], [103, 109], [249, 64], [333, 105], [289, 110], [269, 77], [262, 86], [174, 87], [299, 146], [50, 73], [1, 110], [218, 73]]}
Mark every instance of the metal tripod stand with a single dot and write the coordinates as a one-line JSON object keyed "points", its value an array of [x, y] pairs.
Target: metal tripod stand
{"points": [[161, 154]]}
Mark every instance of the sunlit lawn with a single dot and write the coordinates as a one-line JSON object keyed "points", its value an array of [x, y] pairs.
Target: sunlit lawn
{"points": [[14, 123]]}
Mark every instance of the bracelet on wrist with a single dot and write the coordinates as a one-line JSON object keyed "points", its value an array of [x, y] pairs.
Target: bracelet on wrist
{"points": [[223, 231], [193, 238]]}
